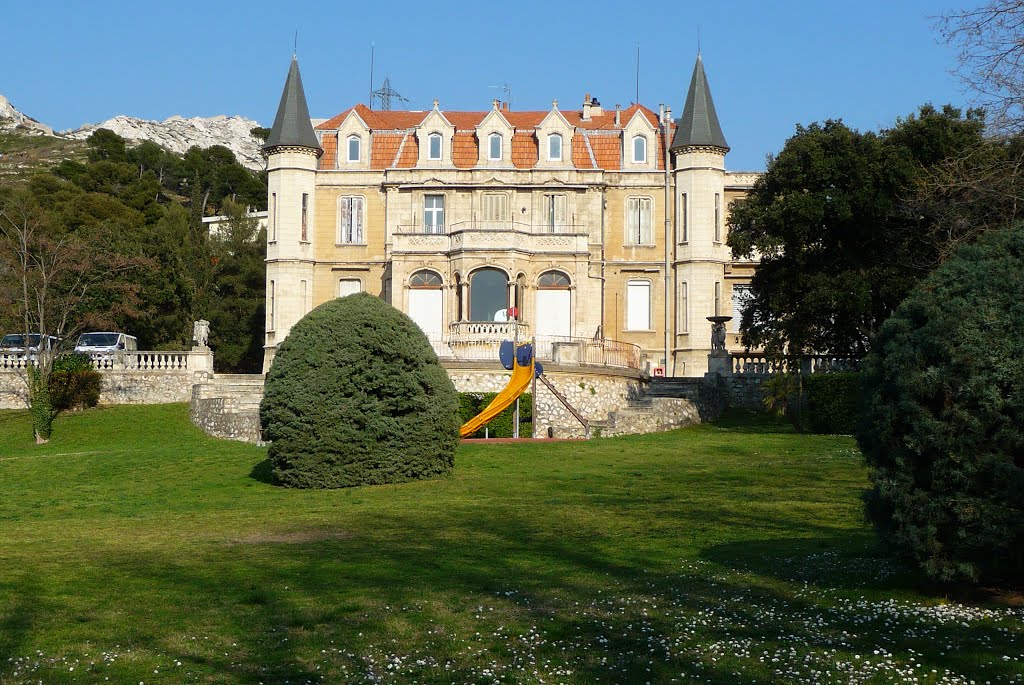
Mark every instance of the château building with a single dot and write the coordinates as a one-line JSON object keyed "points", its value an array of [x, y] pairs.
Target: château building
{"points": [[605, 226]]}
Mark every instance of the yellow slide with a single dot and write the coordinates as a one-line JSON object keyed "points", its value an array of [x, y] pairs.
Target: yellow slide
{"points": [[522, 376]]}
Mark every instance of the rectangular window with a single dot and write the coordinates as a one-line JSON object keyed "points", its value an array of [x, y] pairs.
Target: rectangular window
{"points": [[495, 210], [682, 220], [718, 298], [349, 286], [354, 143], [273, 217], [638, 306], [350, 220], [433, 213], [638, 221], [494, 151], [555, 213], [683, 309], [271, 306], [434, 145], [718, 218], [305, 216], [741, 297]]}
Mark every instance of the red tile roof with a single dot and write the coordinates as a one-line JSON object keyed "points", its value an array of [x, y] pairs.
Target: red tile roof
{"points": [[394, 144]]}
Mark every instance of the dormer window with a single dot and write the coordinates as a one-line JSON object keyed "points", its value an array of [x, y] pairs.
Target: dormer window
{"points": [[434, 146], [639, 150], [494, 146], [554, 147], [354, 148]]}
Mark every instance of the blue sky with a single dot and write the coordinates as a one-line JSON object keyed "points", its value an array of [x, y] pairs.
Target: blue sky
{"points": [[770, 65]]}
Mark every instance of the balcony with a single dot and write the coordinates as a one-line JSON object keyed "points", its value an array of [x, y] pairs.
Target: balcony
{"points": [[479, 342], [477, 236]]}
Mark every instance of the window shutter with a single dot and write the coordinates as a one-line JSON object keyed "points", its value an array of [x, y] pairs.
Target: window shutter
{"points": [[357, 220], [345, 234], [633, 221], [560, 211], [646, 237]]}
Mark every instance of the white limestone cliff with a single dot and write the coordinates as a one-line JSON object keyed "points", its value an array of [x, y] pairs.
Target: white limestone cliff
{"points": [[178, 134], [11, 119]]}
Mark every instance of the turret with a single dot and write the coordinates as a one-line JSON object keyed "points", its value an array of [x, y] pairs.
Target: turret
{"points": [[292, 151], [699, 150]]}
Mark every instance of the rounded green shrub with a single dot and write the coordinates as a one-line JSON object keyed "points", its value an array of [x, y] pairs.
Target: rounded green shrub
{"points": [[74, 383], [943, 429], [356, 396]]}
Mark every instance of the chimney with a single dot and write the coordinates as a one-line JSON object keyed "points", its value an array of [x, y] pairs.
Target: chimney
{"points": [[618, 116], [586, 107]]}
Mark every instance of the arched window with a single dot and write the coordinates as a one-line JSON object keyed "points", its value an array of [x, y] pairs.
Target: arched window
{"points": [[488, 295], [494, 146], [639, 150], [555, 147], [425, 279], [354, 148], [553, 280], [434, 146]]}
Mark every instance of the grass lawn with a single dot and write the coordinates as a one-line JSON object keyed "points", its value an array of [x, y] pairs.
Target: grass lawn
{"points": [[135, 549]]}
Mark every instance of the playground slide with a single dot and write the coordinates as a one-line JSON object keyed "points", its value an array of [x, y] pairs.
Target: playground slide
{"points": [[522, 376]]}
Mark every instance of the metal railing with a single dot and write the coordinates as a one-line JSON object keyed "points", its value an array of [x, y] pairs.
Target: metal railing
{"points": [[563, 350]]}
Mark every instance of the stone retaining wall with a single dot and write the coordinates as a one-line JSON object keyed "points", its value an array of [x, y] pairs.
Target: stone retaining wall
{"points": [[118, 387]]}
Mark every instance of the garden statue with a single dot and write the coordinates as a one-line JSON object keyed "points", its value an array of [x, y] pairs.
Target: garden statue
{"points": [[201, 333], [718, 336]]}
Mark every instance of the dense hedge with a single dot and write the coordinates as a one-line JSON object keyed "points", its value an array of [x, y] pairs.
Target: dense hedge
{"points": [[831, 402], [472, 403], [944, 424], [357, 396], [73, 383]]}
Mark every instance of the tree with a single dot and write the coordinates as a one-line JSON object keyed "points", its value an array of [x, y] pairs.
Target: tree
{"points": [[52, 277], [944, 426], [237, 305], [356, 396], [839, 239], [990, 44]]}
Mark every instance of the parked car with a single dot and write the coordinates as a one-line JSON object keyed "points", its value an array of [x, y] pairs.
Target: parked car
{"points": [[14, 343], [105, 342]]}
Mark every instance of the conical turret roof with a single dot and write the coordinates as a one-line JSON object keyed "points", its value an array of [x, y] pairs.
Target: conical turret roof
{"points": [[699, 124], [292, 126]]}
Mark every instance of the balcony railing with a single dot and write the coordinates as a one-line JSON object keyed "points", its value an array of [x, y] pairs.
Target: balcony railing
{"points": [[747, 364], [562, 350], [117, 361], [489, 225]]}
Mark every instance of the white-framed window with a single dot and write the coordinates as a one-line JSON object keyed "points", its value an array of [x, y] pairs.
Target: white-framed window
{"points": [[351, 219], [638, 305], [349, 286], [273, 217], [718, 298], [741, 297], [304, 237], [682, 219], [555, 212], [271, 305], [639, 229], [355, 144], [434, 146], [718, 219], [639, 149], [433, 213], [495, 210], [494, 142], [555, 147], [683, 308]]}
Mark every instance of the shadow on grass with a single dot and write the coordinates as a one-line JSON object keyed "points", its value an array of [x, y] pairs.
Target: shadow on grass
{"points": [[264, 472], [746, 421]]}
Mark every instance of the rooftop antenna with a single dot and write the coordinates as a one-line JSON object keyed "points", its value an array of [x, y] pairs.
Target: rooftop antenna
{"points": [[370, 103], [295, 44], [386, 94], [637, 101], [507, 90], [698, 40]]}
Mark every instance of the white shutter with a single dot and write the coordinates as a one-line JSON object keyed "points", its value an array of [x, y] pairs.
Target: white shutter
{"points": [[638, 306], [560, 212], [632, 220], [357, 220], [349, 286], [553, 313], [741, 296], [345, 220], [646, 238], [425, 308]]}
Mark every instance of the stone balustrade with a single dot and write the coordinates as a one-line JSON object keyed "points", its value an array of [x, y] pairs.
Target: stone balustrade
{"points": [[747, 364], [491, 235]]}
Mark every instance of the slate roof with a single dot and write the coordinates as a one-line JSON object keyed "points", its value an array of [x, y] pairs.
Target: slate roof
{"points": [[699, 124], [291, 125]]}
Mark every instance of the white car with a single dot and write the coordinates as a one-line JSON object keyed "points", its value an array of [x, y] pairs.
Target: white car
{"points": [[105, 343]]}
